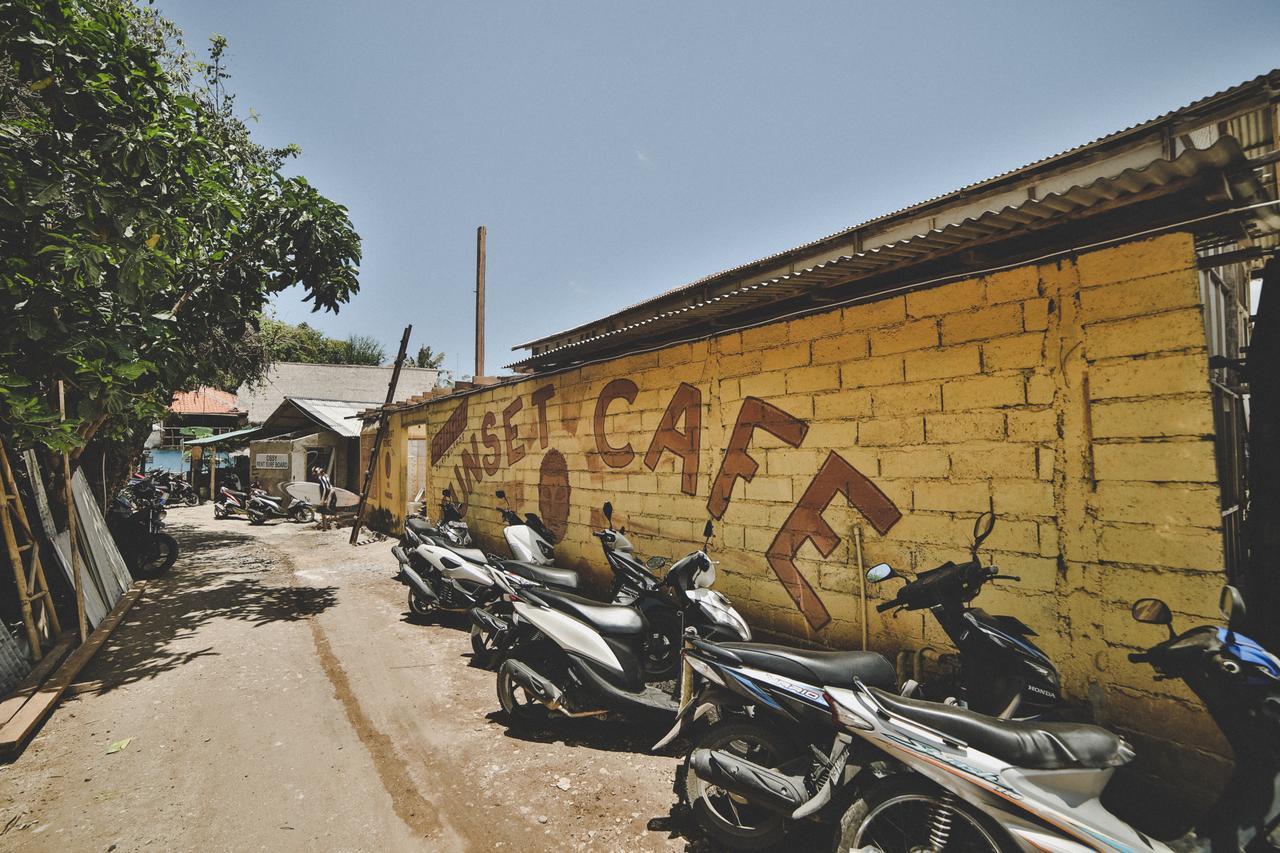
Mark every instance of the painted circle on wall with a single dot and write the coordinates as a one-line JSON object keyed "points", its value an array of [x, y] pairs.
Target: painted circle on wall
{"points": [[553, 492], [386, 465]]}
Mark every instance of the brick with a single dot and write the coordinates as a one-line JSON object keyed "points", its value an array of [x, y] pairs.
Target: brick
{"points": [[1154, 418], [941, 496], [966, 426], [934, 529], [986, 323], [764, 385], [844, 404], [816, 325], [740, 364], [1162, 504], [995, 460], [1142, 377], [765, 488], [983, 392], [906, 399], [845, 347], [1032, 426], [678, 354], [1013, 285], [1163, 461], [871, 371], [1161, 546], [943, 363], [1014, 353], [831, 434], [915, 462], [1040, 389], [1133, 260], [1173, 330], [809, 379], [947, 299], [782, 358], [767, 335], [1035, 314], [729, 344], [1023, 498], [907, 336], [870, 315], [789, 462], [891, 432], [1140, 297], [1022, 537]]}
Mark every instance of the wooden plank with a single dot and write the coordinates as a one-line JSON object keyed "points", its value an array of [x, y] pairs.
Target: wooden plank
{"points": [[38, 674], [15, 732]]}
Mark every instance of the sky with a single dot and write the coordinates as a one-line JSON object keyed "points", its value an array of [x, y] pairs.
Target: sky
{"points": [[618, 150]]}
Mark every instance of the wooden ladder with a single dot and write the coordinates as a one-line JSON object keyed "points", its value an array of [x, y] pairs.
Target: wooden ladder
{"points": [[33, 590]]}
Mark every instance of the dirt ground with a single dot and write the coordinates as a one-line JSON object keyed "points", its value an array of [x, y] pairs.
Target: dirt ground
{"points": [[275, 696]]}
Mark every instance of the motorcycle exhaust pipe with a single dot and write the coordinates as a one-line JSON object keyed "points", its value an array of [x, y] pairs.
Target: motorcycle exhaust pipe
{"points": [[763, 787], [486, 621], [415, 580], [401, 557], [543, 690]]}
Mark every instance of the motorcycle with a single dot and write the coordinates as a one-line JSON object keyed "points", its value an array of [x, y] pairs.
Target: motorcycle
{"points": [[262, 507], [231, 503], [176, 489], [776, 756], [981, 783], [136, 523], [582, 658], [529, 539]]}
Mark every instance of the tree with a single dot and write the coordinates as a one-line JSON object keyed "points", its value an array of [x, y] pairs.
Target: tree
{"points": [[142, 231], [427, 358]]}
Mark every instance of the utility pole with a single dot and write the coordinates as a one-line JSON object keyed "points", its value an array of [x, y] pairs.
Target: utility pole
{"points": [[377, 439], [481, 233]]}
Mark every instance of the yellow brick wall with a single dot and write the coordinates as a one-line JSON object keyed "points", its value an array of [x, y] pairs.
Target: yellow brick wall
{"points": [[1073, 395]]}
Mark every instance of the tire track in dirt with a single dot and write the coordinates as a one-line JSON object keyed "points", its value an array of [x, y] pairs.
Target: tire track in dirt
{"points": [[416, 813]]}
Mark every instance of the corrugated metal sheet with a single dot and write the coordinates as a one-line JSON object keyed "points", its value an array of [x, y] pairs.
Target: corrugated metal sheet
{"points": [[335, 415], [1160, 173], [1271, 78]]}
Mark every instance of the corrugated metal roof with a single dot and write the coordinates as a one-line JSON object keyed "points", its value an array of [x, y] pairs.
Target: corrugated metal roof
{"points": [[1224, 153], [333, 415], [1269, 78], [224, 437]]}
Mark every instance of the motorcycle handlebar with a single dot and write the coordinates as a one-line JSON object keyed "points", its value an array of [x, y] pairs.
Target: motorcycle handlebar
{"points": [[888, 605]]}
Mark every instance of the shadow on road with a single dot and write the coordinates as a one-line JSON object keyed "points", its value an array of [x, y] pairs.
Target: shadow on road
{"points": [[214, 578]]}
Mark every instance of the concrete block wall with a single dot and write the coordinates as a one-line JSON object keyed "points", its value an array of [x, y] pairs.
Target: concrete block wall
{"points": [[1072, 396]]}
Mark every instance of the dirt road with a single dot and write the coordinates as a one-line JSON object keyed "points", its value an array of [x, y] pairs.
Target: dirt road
{"points": [[275, 697]]}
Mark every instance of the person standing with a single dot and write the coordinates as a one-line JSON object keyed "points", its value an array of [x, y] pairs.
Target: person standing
{"points": [[327, 496]]}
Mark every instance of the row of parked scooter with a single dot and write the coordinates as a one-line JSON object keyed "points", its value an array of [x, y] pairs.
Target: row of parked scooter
{"points": [[971, 759]]}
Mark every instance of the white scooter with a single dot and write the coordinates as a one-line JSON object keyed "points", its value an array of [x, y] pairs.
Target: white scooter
{"points": [[985, 784], [529, 539]]}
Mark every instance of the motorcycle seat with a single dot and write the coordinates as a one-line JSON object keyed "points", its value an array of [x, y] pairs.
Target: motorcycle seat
{"points": [[422, 527], [612, 619], [546, 575], [1032, 745], [835, 668]]}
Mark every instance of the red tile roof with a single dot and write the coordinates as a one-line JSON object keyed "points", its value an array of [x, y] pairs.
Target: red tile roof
{"points": [[205, 401]]}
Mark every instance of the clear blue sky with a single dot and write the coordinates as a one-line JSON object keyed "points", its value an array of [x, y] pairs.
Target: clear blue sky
{"points": [[617, 150]]}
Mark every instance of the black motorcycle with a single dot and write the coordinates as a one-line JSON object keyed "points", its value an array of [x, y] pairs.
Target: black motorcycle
{"points": [[262, 507], [136, 522], [176, 489]]}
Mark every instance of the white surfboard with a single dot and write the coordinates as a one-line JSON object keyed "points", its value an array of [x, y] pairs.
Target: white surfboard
{"points": [[310, 492]]}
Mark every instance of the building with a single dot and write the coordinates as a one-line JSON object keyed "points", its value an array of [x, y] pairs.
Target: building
{"points": [[1056, 343], [193, 414], [302, 434], [353, 383]]}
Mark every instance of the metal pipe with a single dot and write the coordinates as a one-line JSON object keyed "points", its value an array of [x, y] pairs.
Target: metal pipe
{"points": [[862, 578], [481, 234]]}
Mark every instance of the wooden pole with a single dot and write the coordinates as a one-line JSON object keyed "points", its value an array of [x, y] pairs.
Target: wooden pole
{"points": [[377, 440], [481, 234], [19, 572], [213, 464], [72, 527]]}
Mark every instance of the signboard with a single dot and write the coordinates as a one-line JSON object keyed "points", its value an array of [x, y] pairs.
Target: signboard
{"points": [[273, 461]]}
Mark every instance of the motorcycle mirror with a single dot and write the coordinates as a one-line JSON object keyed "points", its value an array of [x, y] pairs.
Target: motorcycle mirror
{"points": [[656, 562], [608, 513], [708, 530], [1231, 603], [881, 572], [1152, 611], [501, 495], [982, 527]]}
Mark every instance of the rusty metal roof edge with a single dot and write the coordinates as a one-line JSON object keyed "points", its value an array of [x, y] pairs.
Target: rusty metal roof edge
{"points": [[986, 182], [1224, 153]]}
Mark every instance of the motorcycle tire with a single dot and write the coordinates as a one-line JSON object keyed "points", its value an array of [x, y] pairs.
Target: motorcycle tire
{"points": [[161, 556], [907, 804], [661, 660], [520, 708], [219, 511], [191, 499], [304, 515], [481, 654], [720, 814], [420, 608], [257, 518]]}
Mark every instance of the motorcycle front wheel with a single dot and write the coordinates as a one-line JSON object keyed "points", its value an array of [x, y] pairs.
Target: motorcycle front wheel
{"points": [[158, 557], [219, 511], [421, 607], [304, 515], [903, 814]]}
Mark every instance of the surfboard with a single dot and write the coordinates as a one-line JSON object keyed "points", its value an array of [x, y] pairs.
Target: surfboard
{"points": [[310, 492]]}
